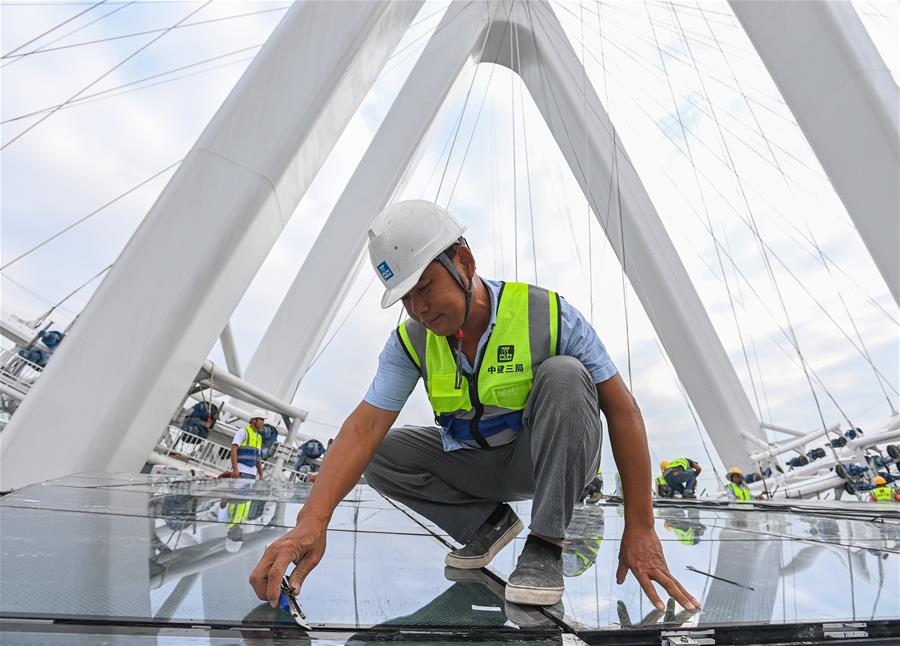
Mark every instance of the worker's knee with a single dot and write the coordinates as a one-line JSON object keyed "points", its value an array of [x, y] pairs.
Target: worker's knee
{"points": [[562, 373]]}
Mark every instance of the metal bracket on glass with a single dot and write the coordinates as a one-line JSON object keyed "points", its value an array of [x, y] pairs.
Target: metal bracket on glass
{"points": [[290, 600], [687, 638], [846, 630]]}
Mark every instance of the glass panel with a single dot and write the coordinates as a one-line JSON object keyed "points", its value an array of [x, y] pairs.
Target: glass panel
{"points": [[188, 501], [154, 549], [111, 566], [739, 576]]}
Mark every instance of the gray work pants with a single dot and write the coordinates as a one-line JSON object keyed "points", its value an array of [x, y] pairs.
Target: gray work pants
{"points": [[555, 455]]}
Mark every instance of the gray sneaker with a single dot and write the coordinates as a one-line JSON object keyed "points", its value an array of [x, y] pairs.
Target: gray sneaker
{"points": [[486, 542], [538, 577]]}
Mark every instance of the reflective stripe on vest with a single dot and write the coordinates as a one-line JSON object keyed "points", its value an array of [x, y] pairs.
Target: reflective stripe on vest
{"points": [[248, 451], [661, 479], [740, 491], [525, 335], [883, 493], [679, 462]]}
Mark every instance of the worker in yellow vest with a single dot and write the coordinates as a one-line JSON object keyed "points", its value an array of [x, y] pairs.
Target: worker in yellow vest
{"points": [[883, 493], [680, 475], [246, 461], [662, 488], [517, 380], [735, 487]]}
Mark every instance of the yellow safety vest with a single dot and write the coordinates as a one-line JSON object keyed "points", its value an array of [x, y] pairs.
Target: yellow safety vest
{"points": [[882, 493], [679, 462], [248, 450], [238, 512], [525, 335], [686, 536], [741, 492], [661, 479]]}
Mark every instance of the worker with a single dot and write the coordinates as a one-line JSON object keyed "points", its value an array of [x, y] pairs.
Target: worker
{"points": [[517, 379], [246, 461], [307, 454], [735, 487], [593, 492], [662, 488], [882, 492], [680, 475]]}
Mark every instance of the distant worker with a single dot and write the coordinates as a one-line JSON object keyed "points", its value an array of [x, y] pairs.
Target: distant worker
{"points": [[246, 461], [307, 454], [882, 492], [662, 488], [681, 476], [735, 487], [593, 492]]}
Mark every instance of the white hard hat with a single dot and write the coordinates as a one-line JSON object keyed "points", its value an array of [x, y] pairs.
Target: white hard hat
{"points": [[403, 240], [261, 414]]}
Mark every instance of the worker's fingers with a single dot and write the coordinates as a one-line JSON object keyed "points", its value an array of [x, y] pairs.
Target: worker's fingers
{"points": [[304, 566], [276, 571], [621, 572], [259, 576], [675, 590], [692, 598], [649, 590]]}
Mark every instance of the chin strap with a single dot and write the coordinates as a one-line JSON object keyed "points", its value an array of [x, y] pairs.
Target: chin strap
{"points": [[445, 260]]}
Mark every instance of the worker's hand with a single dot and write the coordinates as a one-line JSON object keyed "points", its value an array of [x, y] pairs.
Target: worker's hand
{"points": [[641, 552], [304, 546], [235, 473]]}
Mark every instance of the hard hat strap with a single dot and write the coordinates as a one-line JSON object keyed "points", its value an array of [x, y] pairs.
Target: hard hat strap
{"points": [[447, 262]]}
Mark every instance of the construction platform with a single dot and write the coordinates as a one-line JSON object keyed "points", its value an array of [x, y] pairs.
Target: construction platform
{"points": [[140, 559]]}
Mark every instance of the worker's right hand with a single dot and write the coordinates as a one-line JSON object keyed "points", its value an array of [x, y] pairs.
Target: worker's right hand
{"points": [[235, 474], [303, 546]]}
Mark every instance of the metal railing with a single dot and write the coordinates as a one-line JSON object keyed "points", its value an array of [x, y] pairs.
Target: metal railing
{"points": [[17, 372], [215, 458]]}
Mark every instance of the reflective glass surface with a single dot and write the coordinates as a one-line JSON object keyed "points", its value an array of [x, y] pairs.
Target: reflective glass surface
{"points": [[140, 548]]}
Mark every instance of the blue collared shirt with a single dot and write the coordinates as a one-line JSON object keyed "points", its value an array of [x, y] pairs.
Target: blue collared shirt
{"points": [[397, 374]]}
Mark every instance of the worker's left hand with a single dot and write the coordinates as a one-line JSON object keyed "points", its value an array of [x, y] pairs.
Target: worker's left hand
{"points": [[641, 552]]}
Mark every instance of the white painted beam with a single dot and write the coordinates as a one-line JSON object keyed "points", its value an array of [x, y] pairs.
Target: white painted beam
{"points": [[846, 103], [165, 300], [552, 73]]}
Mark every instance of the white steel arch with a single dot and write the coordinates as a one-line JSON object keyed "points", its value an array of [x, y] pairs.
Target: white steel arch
{"points": [[244, 177], [102, 409], [552, 73]]}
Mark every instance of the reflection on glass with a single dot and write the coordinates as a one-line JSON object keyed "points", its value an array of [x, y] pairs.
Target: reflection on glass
{"points": [[162, 550], [684, 523]]}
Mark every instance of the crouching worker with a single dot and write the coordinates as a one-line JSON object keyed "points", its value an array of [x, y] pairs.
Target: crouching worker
{"points": [[517, 379]]}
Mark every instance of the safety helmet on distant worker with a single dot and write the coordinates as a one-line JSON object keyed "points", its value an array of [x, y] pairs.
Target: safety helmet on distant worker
{"points": [[880, 481], [403, 240], [258, 414], [734, 471], [663, 465]]}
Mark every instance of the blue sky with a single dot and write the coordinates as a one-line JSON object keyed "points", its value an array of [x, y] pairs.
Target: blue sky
{"points": [[81, 157]]}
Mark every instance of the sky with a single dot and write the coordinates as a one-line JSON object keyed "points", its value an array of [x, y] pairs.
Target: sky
{"points": [[708, 132]]}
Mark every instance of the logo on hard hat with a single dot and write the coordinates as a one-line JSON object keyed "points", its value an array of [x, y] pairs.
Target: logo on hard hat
{"points": [[505, 353], [385, 270]]}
